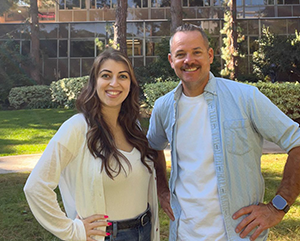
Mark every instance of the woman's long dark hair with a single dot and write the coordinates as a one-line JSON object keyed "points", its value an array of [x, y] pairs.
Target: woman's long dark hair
{"points": [[100, 140]]}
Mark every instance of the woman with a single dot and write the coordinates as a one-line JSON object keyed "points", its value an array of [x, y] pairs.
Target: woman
{"points": [[102, 162]]}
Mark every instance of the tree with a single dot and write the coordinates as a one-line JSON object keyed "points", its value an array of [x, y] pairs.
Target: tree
{"points": [[232, 34], [278, 57], [35, 42], [120, 26], [6, 5], [176, 15]]}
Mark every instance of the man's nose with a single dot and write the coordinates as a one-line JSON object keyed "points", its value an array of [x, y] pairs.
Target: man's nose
{"points": [[188, 59]]}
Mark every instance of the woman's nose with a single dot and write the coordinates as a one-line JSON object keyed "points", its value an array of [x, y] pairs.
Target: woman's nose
{"points": [[114, 82]]}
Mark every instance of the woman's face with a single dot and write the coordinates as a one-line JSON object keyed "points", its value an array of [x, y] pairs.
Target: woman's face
{"points": [[113, 83]]}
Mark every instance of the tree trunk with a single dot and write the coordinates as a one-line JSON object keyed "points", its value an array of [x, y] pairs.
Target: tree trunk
{"points": [[176, 15], [120, 26], [234, 36], [35, 42]]}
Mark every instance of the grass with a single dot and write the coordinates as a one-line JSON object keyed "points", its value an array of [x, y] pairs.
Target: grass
{"points": [[29, 131]]}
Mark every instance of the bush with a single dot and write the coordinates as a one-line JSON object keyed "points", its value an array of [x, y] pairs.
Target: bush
{"points": [[286, 96], [31, 97], [64, 92], [153, 91]]}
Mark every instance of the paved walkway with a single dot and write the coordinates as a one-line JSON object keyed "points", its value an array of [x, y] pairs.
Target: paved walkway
{"points": [[25, 163]]}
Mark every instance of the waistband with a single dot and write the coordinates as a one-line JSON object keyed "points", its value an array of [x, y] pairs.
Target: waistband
{"points": [[140, 220]]}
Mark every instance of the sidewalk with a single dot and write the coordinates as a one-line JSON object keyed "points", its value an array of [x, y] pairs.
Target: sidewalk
{"points": [[25, 163]]}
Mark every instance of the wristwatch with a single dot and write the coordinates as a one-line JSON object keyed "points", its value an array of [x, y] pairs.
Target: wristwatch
{"points": [[280, 203]]}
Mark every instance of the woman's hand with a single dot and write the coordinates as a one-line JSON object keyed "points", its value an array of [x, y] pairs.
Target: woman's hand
{"points": [[91, 224]]}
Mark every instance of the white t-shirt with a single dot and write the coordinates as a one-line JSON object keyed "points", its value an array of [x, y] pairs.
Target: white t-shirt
{"points": [[196, 184]]}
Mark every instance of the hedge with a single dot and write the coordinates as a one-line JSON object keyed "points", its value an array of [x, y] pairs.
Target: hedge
{"points": [[31, 97], [285, 95]]}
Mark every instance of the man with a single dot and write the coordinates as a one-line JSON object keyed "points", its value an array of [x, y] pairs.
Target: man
{"points": [[216, 129]]}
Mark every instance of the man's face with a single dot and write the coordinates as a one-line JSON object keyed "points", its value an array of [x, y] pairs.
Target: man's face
{"points": [[190, 58]]}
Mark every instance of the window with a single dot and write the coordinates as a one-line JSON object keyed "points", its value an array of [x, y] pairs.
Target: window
{"points": [[63, 48], [49, 48], [160, 3], [82, 48], [72, 4]]}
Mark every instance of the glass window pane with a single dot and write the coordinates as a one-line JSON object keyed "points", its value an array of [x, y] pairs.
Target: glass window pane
{"points": [[48, 30], [74, 68], [258, 2], [100, 4], [253, 27], [70, 4], [25, 48], [114, 3], [158, 29], [82, 48], [138, 62], [284, 11], [135, 29], [189, 12], [296, 10], [293, 25], [62, 68], [253, 44], [50, 69], [61, 4], [277, 26], [63, 48], [145, 3], [134, 4], [203, 12], [80, 30], [49, 48], [195, 3], [63, 30], [268, 11], [86, 66], [157, 13]]}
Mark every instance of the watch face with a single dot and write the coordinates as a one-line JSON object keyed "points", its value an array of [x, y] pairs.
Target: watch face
{"points": [[279, 202]]}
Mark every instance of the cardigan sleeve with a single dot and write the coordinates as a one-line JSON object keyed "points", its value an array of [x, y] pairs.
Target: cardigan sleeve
{"points": [[40, 186]]}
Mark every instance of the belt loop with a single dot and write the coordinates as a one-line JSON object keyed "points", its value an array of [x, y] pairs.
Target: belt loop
{"points": [[115, 230]]}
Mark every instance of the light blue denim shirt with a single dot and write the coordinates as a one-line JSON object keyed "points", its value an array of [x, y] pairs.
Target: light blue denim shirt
{"points": [[241, 117]]}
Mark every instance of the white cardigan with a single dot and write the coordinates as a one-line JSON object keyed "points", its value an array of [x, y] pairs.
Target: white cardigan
{"points": [[68, 161]]}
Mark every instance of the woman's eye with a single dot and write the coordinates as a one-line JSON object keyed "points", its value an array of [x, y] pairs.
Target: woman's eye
{"points": [[123, 76], [104, 76]]}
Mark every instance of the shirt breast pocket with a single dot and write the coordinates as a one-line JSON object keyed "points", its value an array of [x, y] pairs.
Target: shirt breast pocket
{"points": [[236, 136]]}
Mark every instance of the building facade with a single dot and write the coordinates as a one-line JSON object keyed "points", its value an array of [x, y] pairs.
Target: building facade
{"points": [[72, 30]]}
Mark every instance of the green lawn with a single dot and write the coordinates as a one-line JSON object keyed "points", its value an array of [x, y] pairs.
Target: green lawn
{"points": [[29, 131]]}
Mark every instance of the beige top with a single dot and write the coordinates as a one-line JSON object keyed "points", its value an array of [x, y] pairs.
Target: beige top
{"points": [[67, 161], [130, 188]]}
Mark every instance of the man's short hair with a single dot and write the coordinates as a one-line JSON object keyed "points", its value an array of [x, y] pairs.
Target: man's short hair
{"points": [[187, 27]]}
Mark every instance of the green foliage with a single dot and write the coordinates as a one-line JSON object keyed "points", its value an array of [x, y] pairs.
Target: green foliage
{"points": [[286, 96], [277, 55], [153, 91], [229, 52], [12, 69], [6, 5], [30, 97], [64, 92], [160, 68]]}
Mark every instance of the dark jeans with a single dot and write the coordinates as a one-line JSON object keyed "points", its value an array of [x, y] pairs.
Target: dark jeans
{"points": [[140, 233]]}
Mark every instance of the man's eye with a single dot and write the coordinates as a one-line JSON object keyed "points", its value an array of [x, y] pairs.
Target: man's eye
{"points": [[180, 55]]}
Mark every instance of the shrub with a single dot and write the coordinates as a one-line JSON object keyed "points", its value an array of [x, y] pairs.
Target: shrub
{"points": [[153, 91], [31, 97], [65, 91], [286, 96]]}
